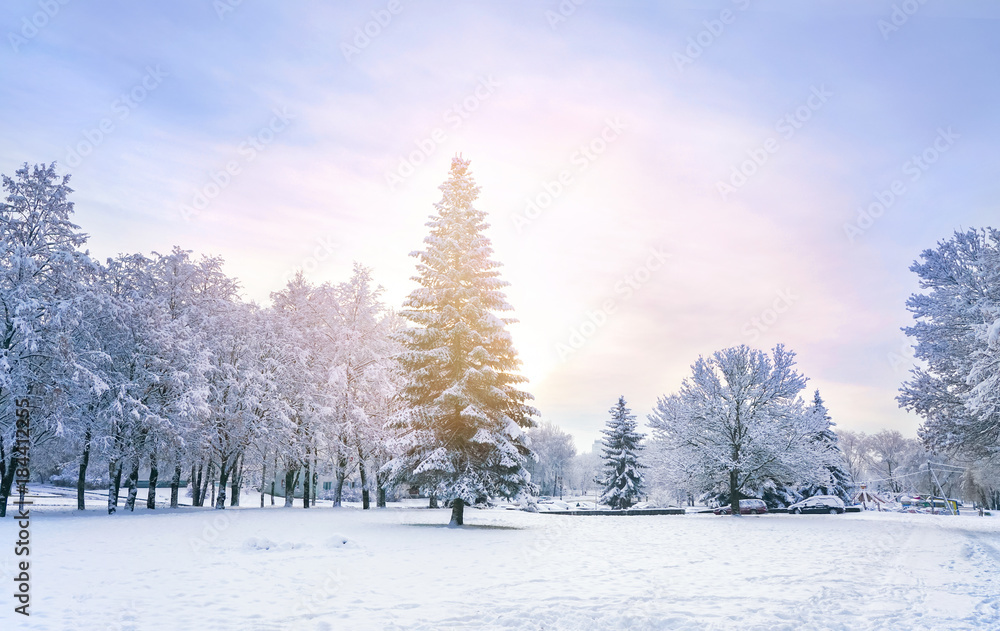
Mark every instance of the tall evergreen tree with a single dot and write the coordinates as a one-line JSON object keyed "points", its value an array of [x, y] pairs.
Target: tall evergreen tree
{"points": [[622, 478], [840, 482], [464, 438]]}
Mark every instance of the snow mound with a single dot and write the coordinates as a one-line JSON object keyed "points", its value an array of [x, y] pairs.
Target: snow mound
{"points": [[341, 542], [262, 544]]}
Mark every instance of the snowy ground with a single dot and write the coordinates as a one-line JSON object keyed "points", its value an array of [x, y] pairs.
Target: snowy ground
{"points": [[401, 569]]}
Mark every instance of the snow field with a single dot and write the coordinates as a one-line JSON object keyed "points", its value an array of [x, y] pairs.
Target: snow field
{"points": [[328, 569]]}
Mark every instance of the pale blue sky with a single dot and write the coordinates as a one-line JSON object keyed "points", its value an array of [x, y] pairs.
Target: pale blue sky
{"points": [[317, 187]]}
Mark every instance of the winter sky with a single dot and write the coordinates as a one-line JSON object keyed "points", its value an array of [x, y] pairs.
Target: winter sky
{"points": [[624, 272]]}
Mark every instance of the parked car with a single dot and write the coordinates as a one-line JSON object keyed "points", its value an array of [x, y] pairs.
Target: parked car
{"points": [[747, 507], [551, 505], [818, 504]]}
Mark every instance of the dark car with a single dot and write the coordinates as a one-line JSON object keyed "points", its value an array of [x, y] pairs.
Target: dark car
{"points": [[747, 507], [818, 504]]}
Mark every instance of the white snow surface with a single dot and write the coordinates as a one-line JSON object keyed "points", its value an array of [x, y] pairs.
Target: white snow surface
{"points": [[402, 568]]}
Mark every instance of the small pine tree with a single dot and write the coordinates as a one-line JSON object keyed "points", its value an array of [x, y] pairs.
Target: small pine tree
{"points": [[622, 478], [464, 437], [840, 482]]}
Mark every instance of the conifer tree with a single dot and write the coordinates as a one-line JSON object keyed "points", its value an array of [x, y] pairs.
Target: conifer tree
{"points": [[622, 480], [464, 437], [840, 482]]}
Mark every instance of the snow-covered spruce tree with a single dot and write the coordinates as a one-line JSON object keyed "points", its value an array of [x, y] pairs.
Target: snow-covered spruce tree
{"points": [[622, 477], [840, 482], [957, 334], [464, 438], [738, 423]]}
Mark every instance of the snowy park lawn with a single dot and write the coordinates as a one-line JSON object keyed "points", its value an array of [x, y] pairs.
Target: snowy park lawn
{"points": [[401, 568]]}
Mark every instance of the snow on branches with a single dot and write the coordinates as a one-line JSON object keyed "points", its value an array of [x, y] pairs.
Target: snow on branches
{"points": [[738, 423], [622, 479], [464, 438], [957, 333]]}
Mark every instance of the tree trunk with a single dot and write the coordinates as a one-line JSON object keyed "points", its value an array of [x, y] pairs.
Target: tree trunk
{"points": [[457, 512], [734, 495], [224, 471], [154, 477], [81, 481], [263, 480], [315, 479], [380, 480], [338, 488], [306, 484], [365, 498], [112, 504], [175, 483], [118, 480], [6, 478], [196, 497], [205, 475], [133, 482], [433, 503], [194, 488], [237, 482], [291, 479]]}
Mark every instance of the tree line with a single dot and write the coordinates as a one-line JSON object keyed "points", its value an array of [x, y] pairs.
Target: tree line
{"points": [[738, 425], [156, 363]]}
